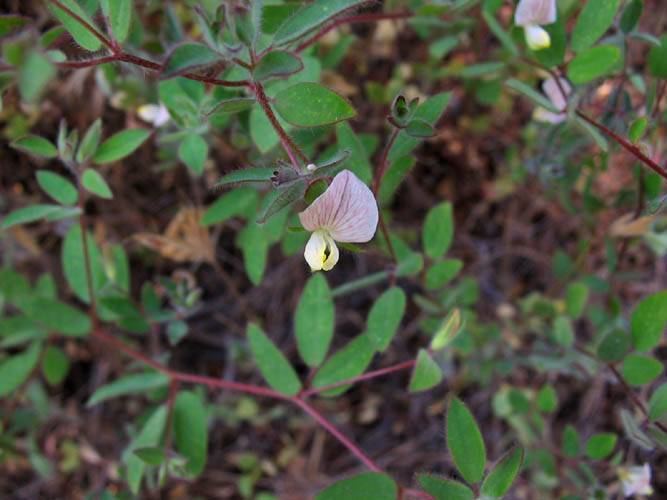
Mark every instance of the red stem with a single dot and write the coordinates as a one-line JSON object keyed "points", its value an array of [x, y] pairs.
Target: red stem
{"points": [[360, 18], [377, 184], [187, 377], [255, 390], [93, 31], [631, 148], [320, 419], [406, 365], [628, 146], [288, 144]]}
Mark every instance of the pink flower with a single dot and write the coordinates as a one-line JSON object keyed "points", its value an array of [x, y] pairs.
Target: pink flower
{"points": [[346, 212], [636, 480], [157, 114], [532, 15], [552, 91]]}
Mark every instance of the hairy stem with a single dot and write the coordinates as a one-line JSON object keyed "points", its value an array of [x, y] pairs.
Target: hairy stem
{"points": [[93, 31], [377, 184], [360, 18], [406, 365], [631, 148], [324, 423], [288, 144]]}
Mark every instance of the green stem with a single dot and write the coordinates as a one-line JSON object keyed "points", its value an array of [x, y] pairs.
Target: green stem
{"points": [[361, 283]]}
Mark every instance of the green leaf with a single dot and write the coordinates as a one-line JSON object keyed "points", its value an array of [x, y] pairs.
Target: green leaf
{"points": [[74, 263], [532, 94], [15, 369], [639, 369], [95, 183], [149, 436], [272, 364], [90, 142], [191, 431], [637, 129], [79, 32], [310, 104], [151, 455], [444, 489], [571, 442], [277, 63], [385, 317], [547, 399], [119, 13], [438, 231], [193, 151], [429, 111], [594, 20], [396, 173], [36, 145], [120, 145], [254, 244], [634, 432], [348, 362], [244, 175], [55, 365], [649, 321], [441, 273], [34, 75], [593, 133], [309, 17], [236, 202], [631, 15], [135, 383], [283, 198], [57, 316], [358, 161], [57, 187], [576, 297], [657, 405], [28, 214], [230, 106], [614, 346], [464, 441], [419, 128], [363, 486], [314, 320], [448, 329], [657, 59], [9, 24], [593, 63], [601, 445], [188, 56], [498, 482], [505, 39], [426, 373]]}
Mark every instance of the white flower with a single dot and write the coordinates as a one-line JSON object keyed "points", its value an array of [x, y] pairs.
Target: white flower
{"points": [[157, 114], [636, 480], [554, 94], [532, 15], [345, 212]]}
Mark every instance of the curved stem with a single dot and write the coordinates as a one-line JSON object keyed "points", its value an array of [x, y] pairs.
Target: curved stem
{"points": [[631, 148], [377, 184], [288, 144], [93, 31], [360, 18], [406, 365], [354, 449]]}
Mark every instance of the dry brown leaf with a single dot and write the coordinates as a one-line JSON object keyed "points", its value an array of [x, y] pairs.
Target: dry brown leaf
{"points": [[338, 83], [184, 240], [627, 226], [26, 240]]}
